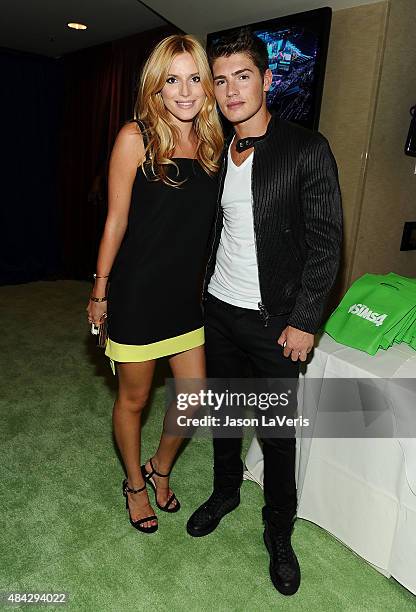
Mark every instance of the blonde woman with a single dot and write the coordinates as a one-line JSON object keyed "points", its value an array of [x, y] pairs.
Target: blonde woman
{"points": [[162, 196]]}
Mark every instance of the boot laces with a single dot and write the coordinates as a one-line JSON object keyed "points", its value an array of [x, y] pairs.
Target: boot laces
{"points": [[282, 547]]}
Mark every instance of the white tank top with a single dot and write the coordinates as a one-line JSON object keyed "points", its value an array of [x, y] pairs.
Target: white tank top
{"points": [[236, 279]]}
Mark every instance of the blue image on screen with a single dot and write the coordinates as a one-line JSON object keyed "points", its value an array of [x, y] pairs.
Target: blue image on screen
{"points": [[292, 59]]}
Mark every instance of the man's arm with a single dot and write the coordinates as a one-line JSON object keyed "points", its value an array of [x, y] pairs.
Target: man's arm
{"points": [[321, 204]]}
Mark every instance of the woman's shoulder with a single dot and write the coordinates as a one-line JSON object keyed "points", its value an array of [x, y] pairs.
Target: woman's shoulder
{"points": [[129, 142], [131, 130]]}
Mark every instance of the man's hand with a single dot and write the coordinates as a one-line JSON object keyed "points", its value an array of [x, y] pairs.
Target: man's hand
{"points": [[297, 343]]}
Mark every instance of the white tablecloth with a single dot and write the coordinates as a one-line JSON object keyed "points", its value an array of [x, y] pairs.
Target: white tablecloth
{"points": [[361, 490]]}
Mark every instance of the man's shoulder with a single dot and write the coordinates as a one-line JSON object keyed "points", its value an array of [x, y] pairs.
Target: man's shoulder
{"points": [[297, 134]]}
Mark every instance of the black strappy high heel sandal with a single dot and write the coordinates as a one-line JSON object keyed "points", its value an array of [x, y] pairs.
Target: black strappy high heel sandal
{"points": [[139, 523], [148, 478]]}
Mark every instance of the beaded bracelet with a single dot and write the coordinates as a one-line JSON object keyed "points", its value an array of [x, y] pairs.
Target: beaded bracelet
{"points": [[95, 276], [95, 299]]}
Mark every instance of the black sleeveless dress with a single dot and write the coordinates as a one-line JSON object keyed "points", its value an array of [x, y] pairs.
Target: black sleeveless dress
{"points": [[154, 298]]}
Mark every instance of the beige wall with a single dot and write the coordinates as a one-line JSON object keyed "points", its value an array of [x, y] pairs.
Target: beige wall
{"points": [[370, 86], [348, 105], [389, 197]]}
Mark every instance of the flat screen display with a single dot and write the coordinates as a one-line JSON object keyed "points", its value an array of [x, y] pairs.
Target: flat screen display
{"points": [[297, 46]]}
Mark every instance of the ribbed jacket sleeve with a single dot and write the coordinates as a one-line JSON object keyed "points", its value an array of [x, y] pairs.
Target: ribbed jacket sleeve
{"points": [[322, 215]]}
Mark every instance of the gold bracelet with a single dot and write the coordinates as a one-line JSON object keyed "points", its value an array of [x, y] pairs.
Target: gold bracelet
{"points": [[95, 299], [95, 276]]}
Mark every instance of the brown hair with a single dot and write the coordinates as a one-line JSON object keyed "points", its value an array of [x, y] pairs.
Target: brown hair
{"points": [[241, 41]]}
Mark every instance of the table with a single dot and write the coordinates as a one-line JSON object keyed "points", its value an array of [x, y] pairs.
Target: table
{"points": [[361, 490]]}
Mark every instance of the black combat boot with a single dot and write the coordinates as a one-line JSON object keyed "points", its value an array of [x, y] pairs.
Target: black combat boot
{"points": [[206, 518], [284, 567]]}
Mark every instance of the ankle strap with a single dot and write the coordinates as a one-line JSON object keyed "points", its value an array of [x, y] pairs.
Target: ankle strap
{"points": [[157, 473], [128, 489]]}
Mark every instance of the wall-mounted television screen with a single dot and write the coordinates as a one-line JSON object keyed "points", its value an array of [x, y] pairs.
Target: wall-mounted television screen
{"points": [[297, 46]]}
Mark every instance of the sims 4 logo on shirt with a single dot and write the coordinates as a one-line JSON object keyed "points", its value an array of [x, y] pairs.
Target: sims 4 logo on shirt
{"points": [[361, 310]]}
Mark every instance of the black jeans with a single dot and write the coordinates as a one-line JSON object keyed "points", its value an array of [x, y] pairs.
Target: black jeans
{"points": [[238, 345]]}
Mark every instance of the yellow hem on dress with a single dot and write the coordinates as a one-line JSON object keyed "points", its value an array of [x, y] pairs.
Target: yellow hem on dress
{"points": [[145, 352]]}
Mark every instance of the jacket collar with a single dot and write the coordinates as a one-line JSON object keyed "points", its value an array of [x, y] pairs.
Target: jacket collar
{"points": [[250, 141]]}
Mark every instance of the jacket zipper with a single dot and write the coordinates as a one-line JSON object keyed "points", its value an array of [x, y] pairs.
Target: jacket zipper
{"points": [[264, 315]]}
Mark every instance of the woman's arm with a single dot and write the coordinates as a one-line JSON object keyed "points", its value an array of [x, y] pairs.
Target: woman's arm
{"points": [[127, 154]]}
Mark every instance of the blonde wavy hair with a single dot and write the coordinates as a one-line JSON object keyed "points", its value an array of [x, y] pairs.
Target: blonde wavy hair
{"points": [[161, 134]]}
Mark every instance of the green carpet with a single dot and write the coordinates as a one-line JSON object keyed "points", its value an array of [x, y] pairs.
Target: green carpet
{"points": [[64, 526]]}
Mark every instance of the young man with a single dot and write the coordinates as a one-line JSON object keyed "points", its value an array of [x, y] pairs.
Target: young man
{"points": [[274, 259]]}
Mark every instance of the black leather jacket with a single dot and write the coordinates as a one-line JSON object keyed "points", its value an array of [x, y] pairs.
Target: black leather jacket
{"points": [[297, 223]]}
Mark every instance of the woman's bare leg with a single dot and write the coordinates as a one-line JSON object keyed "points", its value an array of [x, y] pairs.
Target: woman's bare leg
{"points": [[187, 365], [135, 380]]}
